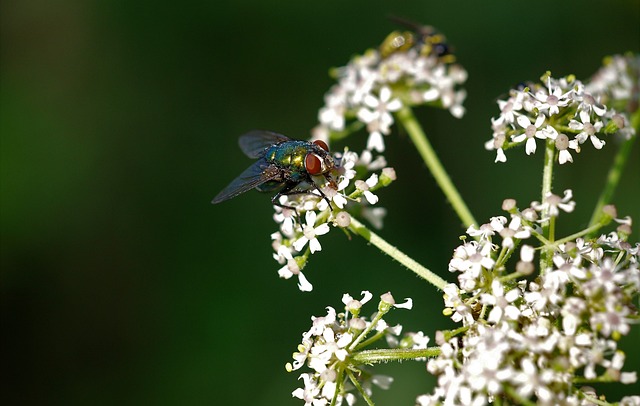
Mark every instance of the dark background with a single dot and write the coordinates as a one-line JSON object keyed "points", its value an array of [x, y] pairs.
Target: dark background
{"points": [[121, 284]]}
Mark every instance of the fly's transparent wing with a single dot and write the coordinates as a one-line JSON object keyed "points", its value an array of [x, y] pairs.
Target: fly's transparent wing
{"points": [[255, 175], [255, 143]]}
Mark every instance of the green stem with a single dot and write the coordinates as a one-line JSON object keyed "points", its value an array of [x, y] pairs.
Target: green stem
{"points": [[595, 401], [515, 396], [419, 138], [371, 340], [349, 129], [547, 181], [366, 331], [448, 334], [615, 172], [393, 354], [355, 383], [612, 179], [579, 234], [547, 177], [396, 254]]}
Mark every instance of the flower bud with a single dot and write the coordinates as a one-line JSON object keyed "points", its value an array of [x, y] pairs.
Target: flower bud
{"points": [[343, 219], [609, 212], [509, 205], [387, 176], [386, 302]]}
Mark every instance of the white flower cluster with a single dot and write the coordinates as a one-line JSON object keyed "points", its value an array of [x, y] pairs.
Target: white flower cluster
{"points": [[532, 340], [296, 239], [617, 82], [563, 111], [373, 86], [327, 349]]}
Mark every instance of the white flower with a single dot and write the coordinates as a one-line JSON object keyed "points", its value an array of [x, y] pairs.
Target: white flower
{"points": [[332, 115], [515, 230], [590, 103], [291, 269], [374, 215], [333, 195], [551, 99], [352, 303], [286, 218], [526, 253], [326, 348], [375, 141], [501, 302], [309, 392], [587, 130], [528, 379], [553, 204], [452, 300], [379, 109], [365, 185], [310, 232], [377, 116], [563, 144], [510, 108], [470, 259], [531, 132]]}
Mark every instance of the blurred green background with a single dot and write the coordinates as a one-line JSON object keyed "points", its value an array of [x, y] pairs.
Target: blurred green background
{"points": [[121, 284]]}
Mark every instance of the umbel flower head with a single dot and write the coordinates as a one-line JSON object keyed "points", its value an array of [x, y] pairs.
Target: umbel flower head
{"points": [[330, 349], [312, 216], [617, 82], [562, 111], [409, 68], [534, 336]]}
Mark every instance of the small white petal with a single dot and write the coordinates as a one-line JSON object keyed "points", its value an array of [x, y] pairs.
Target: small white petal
{"points": [[303, 284], [300, 243], [584, 117], [375, 141], [597, 143], [408, 304], [371, 101], [394, 105], [530, 146], [526, 253], [385, 93], [322, 229], [539, 120], [371, 198], [285, 272], [523, 121], [372, 181], [366, 116], [310, 218], [366, 296], [314, 245], [431, 94]]}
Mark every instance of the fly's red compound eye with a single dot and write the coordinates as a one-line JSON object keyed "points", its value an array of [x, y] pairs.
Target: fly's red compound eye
{"points": [[313, 164], [322, 144]]}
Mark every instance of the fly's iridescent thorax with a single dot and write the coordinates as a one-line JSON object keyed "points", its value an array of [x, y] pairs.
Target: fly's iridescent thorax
{"points": [[288, 155]]}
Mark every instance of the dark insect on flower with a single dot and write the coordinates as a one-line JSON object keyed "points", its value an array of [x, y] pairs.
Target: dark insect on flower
{"points": [[284, 166], [426, 39]]}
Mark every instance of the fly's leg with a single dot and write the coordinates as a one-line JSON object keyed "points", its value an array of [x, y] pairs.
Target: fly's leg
{"points": [[287, 190], [323, 196]]}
